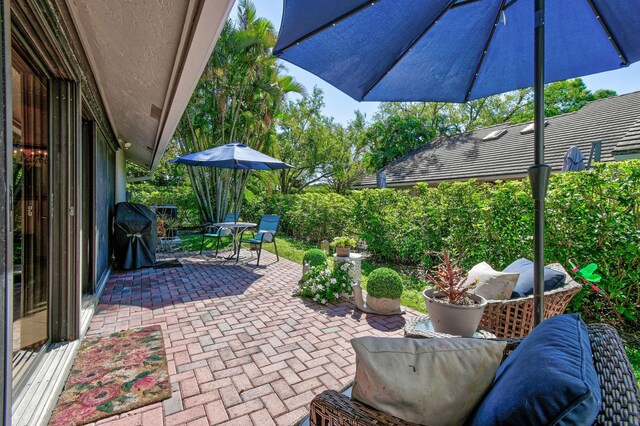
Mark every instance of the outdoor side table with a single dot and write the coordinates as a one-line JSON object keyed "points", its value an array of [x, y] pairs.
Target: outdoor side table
{"points": [[356, 272], [422, 328], [236, 229]]}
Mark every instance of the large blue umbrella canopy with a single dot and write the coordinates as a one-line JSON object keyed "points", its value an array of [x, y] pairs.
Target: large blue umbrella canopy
{"points": [[232, 156], [453, 51], [459, 50]]}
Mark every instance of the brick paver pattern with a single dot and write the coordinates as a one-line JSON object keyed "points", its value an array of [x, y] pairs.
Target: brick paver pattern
{"points": [[241, 348]]}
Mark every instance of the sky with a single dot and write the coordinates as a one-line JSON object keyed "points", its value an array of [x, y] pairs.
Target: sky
{"points": [[341, 107]]}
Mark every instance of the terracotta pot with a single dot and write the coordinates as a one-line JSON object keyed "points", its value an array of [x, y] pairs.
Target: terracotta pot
{"points": [[383, 304], [457, 320], [343, 251]]}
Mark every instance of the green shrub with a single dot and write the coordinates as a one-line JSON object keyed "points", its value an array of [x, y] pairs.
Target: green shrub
{"points": [[314, 257], [384, 283], [592, 216], [309, 217], [181, 196]]}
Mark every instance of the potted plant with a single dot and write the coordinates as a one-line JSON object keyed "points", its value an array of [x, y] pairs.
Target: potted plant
{"points": [[167, 226], [311, 258], [384, 288], [451, 307], [343, 246]]}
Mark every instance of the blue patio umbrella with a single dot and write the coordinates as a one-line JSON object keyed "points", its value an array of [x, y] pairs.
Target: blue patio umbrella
{"points": [[460, 50], [234, 156]]}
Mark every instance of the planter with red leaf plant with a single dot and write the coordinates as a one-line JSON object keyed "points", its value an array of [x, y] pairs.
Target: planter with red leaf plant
{"points": [[451, 307]]}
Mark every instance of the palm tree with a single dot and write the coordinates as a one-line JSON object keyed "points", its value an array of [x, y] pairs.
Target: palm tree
{"points": [[240, 92]]}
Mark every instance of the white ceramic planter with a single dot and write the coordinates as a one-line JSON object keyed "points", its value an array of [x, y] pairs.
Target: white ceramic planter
{"points": [[457, 320], [305, 268], [355, 272], [383, 305]]}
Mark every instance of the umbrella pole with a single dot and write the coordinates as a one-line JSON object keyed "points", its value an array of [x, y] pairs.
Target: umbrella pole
{"points": [[235, 195], [539, 172]]}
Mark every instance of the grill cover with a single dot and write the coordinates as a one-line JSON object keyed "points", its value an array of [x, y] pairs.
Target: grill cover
{"points": [[135, 234]]}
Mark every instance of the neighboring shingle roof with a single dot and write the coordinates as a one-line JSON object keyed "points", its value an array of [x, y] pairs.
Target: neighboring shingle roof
{"points": [[631, 141], [615, 121]]}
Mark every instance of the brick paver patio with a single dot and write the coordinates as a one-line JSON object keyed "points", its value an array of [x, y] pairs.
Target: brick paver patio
{"points": [[242, 349]]}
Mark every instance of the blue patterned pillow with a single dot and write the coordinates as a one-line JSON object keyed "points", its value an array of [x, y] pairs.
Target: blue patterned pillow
{"points": [[548, 379], [524, 287]]}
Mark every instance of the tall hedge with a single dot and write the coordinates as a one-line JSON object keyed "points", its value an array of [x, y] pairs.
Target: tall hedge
{"points": [[592, 216], [309, 216]]}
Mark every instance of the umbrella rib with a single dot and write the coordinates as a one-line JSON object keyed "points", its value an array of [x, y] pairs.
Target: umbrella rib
{"points": [[484, 51], [463, 3], [408, 49], [327, 25], [612, 39]]}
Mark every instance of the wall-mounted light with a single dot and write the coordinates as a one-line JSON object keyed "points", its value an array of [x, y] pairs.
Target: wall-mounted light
{"points": [[127, 145]]}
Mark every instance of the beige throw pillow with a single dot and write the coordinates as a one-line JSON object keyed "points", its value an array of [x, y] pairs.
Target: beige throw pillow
{"points": [[492, 284], [425, 381]]}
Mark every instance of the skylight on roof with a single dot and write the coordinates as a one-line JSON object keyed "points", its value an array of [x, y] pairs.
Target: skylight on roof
{"points": [[494, 135], [531, 127]]}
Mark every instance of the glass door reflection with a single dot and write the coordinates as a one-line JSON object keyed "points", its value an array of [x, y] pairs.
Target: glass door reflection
{"points": [[30, 215]]}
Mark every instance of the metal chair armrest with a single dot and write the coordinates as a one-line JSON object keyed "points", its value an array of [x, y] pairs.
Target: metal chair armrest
{"points": [[208, 227], [246, 230]]}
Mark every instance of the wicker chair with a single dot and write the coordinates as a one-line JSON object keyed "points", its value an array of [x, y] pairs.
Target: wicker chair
{"points": [[620, 393], [514, 317]]}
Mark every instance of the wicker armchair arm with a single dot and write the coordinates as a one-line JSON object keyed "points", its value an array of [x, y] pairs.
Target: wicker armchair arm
{"points": [[620, 393], [334, 408]]}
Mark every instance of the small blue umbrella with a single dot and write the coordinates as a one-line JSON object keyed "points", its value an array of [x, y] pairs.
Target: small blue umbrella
{"points": [[459, 50], [234, 156]]}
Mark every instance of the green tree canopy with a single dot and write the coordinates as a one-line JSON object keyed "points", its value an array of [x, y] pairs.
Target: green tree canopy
{"points": [[562, 97], [345, 164], [304, 140], [394, 137]]}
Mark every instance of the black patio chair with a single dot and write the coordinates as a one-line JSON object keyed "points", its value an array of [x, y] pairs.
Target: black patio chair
{"points": [[267, 230], [212, 231]]}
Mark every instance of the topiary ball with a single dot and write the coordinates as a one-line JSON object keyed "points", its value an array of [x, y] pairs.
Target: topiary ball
{"points": [[384, 283], [314, 257]]}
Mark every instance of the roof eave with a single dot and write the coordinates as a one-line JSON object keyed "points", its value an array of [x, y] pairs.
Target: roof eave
{"points": [[190, 63]]}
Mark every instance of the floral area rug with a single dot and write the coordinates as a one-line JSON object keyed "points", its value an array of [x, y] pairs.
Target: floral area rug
{"points": [[114, 374]]}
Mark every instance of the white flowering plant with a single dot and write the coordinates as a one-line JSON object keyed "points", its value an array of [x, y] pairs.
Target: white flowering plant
{"points": [[326, 283]]}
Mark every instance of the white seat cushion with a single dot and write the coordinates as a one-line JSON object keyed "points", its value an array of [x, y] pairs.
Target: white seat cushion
{"points": [[425, 381]]}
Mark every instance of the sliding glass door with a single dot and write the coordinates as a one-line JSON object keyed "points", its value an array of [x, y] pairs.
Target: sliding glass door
{"points": [[30, 215]]}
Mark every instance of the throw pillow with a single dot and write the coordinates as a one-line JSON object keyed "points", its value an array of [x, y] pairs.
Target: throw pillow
{"points": [[548, 379], [427, 381], [492, 284], [524, 287]]}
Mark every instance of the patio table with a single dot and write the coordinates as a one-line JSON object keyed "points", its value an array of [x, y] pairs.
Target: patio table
{"points": [[236, 229], [422, 328]]}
